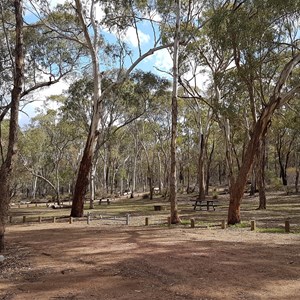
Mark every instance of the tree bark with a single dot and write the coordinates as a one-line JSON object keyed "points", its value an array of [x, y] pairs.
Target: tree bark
{"points": [[173, 176], [86, 162], [201, 177], [297, 181], [92, 186], [208, 168], [261, 175]]}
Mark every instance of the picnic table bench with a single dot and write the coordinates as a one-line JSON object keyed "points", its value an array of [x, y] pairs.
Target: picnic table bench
{"points": [[107, 200], [205, 203]]}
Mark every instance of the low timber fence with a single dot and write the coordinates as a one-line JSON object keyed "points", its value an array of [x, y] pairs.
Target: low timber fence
{"points": [[89, 218], [192, 223]]}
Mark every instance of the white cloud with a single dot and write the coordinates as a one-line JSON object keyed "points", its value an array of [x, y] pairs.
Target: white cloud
{"points": [[130, 37], [162, 60], [38, 98]]}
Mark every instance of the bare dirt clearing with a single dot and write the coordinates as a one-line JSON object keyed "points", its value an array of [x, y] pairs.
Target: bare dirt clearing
{"points": [[98, 261]]}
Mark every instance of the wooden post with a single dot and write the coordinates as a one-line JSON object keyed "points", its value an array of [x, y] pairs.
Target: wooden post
{"points": [[127, 219], [192, 223], [54, 220], [71, 220], [224, 224], [24, 219], [10, 219], [253, 225], [40, 219], [88, 218], [146, 221], [169, 221], [287, 226]]}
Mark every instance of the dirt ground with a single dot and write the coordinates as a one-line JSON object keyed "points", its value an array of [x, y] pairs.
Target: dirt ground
{"points": [[80, 261]]}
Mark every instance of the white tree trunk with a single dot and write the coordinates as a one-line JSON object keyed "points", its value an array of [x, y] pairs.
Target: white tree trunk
{"points": [[173, 175]]}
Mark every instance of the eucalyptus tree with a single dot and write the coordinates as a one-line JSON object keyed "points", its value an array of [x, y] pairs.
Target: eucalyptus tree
{"points": [[120, 107], [23, 71], [257, 45], [118, 17], [32, 153], [9, 157], [285, 140], [45, 159], [158, 121], [204, 60]]}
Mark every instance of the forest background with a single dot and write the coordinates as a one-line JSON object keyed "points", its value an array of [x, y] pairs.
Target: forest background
{"points": [[225, 113]]}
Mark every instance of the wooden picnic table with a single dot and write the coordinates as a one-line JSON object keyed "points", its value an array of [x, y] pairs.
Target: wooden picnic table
{"points": [[107, 200], [205, 203]]}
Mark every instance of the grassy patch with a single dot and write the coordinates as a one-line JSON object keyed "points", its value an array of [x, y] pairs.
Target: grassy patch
{"points": [[270, 230], [241, 225]]}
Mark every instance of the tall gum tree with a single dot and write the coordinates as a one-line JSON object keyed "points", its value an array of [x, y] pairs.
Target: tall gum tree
{"points": [[17, 66], [18, 76], [279, 97], [92, 41], [173, 175], [255, 44]]}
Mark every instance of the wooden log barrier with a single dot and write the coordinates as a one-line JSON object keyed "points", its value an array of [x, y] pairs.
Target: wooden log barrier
{"points": [[253, 225], [287, 226], [192, 223], [223, 224], [127, 219], [169, 221]]}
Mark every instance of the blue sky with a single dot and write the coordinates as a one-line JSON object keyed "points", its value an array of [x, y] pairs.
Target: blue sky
{"points": [[160, 60]]}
